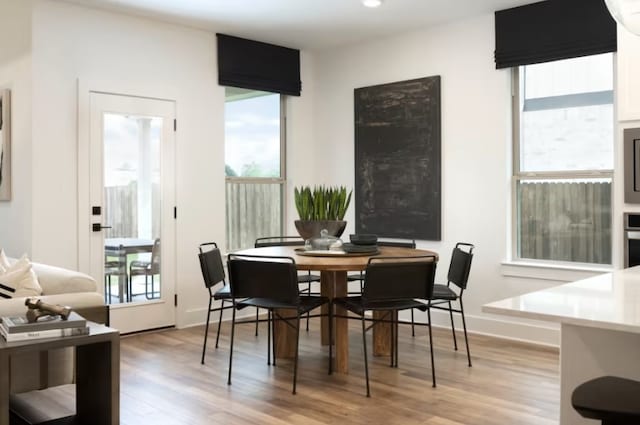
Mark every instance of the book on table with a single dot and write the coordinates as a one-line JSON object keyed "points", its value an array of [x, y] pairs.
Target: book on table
{"points": [[50, 333], [17, 324], [18, 328]]}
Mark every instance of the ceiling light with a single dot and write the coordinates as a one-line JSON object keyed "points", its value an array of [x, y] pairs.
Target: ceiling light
{"points": [[626, 12], [372, 3]]}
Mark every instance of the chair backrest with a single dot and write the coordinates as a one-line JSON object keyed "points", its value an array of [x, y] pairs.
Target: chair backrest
{"points": [[398, 244], [279, 241], [399, 278], [155, 256], [460, 265], [211, 264], [255, 276]]}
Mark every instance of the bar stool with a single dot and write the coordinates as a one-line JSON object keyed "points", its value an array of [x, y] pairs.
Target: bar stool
{"points": [[613, 400]]}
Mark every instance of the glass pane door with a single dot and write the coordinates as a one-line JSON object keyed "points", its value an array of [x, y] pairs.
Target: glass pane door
{"points": [[132, 210], [131, 243]]}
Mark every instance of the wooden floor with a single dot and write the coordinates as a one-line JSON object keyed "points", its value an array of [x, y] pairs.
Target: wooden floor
{"points": [[163, 382]]}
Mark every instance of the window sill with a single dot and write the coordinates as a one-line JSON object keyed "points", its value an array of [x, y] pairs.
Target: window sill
{"points": [[547, 271]]}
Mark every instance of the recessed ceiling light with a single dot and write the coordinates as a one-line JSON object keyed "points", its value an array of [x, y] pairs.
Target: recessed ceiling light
{"points": [[372, 3]]}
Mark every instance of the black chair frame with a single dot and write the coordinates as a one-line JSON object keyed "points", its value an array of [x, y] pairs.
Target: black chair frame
{"points": [[458, 275], [270, 282], [360, 276], [303, 279], [417, 275], [213, 274]]}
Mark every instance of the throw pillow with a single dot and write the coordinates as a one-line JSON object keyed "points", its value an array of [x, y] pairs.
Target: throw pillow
{"points": [[19, 280], [4, 261]]}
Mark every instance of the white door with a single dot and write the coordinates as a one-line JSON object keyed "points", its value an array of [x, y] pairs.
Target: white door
{"points": [[132, 199]]}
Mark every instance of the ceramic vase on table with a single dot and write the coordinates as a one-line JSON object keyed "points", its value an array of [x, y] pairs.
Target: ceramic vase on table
{"points": [[311, 228]]}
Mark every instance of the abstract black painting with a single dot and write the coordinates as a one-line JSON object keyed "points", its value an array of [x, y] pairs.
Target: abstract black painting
{"points": [[397, 159]]}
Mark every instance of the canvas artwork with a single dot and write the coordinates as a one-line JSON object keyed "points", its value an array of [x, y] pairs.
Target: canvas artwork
{"points": [[5, 145], [397, 159]]}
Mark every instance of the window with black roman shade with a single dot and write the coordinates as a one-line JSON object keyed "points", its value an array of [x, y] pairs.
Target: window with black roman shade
{"points": [[254, 65], [553, 30]]}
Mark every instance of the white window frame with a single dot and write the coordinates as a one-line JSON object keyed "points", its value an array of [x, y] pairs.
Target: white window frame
{"points": [[517, 175], [282, 181]]}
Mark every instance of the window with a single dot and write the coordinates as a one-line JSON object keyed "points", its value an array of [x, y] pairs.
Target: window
{"points": [[563, 160], [254, 166]]}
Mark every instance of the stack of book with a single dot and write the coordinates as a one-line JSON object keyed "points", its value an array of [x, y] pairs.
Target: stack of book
{"points": [[18, 328]]}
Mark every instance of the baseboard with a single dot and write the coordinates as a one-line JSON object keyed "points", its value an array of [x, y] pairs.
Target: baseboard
{"points": [[197, 317], [524, 331], [528, 332]]}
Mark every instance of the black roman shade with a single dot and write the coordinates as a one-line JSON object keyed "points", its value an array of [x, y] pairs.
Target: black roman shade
{"points": [[254, 65], [553, 30]]}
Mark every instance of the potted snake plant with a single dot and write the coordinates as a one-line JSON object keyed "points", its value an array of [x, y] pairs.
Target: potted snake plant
{"points": [[321, 207]]}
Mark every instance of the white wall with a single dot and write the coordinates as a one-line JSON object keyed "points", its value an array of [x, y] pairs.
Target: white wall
{"points": [[476, 149], [147, 57], [141, 57], [15, 74]]}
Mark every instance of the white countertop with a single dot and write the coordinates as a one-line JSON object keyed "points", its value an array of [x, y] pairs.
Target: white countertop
{"points": [[608, 301]]}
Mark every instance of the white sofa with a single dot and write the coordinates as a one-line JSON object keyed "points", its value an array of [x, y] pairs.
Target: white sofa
{"points": [[59, 286]]}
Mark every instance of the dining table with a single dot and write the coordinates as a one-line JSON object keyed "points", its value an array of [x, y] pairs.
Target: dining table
{"points": [[333, 268]]}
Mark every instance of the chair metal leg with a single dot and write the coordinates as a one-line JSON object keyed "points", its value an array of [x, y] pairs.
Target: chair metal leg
{"points": [[393, 340], [295, 361], [268, 337], [330, 338], [129, 296], [153, 288], [433, 364], [272, 324], [308, 313], [219, 321], [395, 317], [206, 332], [233, 328], [257, 317], [464, 326], [364, 345], [413, 325], [453, 328]]}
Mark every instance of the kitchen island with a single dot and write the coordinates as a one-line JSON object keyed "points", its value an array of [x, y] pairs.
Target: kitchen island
{"points": [[599, 328]]}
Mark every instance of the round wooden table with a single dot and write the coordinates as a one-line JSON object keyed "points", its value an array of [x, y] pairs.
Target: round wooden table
{"points": [[333, 283]]}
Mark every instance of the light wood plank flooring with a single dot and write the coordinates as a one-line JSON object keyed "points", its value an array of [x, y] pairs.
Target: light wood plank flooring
{"points": [[163, 382]]}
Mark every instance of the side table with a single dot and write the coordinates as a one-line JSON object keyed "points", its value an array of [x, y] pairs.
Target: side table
{"points": [[97, 365]]}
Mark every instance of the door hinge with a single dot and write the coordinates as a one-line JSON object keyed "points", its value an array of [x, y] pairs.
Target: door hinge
{"points": [[175, 213], [175, 300], [175, 125]]}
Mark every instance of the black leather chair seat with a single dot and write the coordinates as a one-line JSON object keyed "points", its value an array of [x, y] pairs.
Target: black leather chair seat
{"points": [[223, 293], [356, 304], [443, 292], [307, 303], [611, 399], [307, 278]]}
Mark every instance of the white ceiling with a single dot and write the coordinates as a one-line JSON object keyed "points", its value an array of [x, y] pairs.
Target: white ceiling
{"points": [[306, 24]]}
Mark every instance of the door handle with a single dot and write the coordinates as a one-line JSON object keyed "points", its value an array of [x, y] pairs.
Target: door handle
{"points": [[96, 227]]}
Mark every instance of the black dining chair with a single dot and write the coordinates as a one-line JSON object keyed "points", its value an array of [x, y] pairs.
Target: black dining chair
{"points": [[610, 399], [305, 279], [148, 269], [271, 283], [457, 277], [393, 284], [114, 268], [359, 277], [213, 275]]}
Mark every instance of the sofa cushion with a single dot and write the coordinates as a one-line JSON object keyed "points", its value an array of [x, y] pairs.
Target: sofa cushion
{"points": [[20, 277], [57, 280]]}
